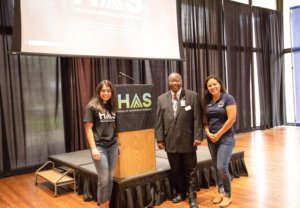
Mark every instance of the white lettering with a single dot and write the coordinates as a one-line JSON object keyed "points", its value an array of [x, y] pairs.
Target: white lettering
{"points": [[107, 116], [130, 6]]}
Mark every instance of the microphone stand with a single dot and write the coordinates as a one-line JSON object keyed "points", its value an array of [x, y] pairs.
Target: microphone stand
{"points": [[129, 77]]}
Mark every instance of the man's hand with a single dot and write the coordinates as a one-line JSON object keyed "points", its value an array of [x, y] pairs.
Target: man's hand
{"points": [[197, 143], [161, 145]]}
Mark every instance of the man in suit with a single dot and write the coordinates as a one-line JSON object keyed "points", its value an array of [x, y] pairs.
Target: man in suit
{"points": [[179, 131]]}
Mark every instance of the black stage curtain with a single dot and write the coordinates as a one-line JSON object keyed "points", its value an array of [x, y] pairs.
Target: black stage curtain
{"points": [[80, 77], [238, 48], [269, 46], [152, 189], [202, 35], [30, 105]]}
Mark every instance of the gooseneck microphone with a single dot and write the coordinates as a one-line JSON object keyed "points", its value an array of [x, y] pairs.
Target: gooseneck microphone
{"points": [[129, 77]]}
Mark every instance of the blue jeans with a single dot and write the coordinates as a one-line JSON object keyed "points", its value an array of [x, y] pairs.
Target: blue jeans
{"points": [[105, 169], [220, 154]]}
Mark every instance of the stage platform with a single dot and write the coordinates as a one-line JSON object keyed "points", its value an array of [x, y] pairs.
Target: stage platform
{"points": [[144, 190]]}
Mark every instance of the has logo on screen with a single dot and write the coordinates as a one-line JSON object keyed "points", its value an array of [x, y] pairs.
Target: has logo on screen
{"points": [[134, 101], [131, 6]]}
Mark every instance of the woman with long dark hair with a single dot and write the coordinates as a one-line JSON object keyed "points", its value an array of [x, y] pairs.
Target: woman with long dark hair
{"points": [[219, 117], [101, 134]]}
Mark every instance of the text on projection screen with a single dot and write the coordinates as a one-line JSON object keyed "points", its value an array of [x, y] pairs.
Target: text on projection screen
{"points": [[112, 28]]}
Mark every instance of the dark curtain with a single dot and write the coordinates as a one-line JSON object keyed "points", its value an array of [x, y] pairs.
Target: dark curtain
{"points": [[30, 105], [80, 77], [237, 21], [202, 35], [269, 46]]}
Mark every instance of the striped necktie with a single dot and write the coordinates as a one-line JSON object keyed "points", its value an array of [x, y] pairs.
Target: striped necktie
{"points": [[175, 104]]}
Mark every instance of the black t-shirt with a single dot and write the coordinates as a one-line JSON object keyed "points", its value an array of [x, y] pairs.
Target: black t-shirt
{"points": [[104, 128]]}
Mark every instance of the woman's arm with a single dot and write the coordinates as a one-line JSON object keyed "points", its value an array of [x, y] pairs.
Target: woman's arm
{"points": [[208, 134], [91, 141], [119, 145], [231, 117]]}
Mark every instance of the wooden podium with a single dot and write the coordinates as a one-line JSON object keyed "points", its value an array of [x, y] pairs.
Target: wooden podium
{"points": [[136, 130], [137, 153]]}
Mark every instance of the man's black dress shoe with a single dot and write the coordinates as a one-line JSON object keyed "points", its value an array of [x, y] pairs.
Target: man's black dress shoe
{"points": [[193, 202], [178, 198], [87, 197]]}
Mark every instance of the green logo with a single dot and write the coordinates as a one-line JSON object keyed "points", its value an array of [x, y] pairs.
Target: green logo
{"points": [[134, 101]]}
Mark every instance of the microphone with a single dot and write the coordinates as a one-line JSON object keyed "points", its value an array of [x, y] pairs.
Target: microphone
{"points": [[129, 77]]}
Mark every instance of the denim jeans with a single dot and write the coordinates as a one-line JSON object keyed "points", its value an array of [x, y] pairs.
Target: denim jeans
{"points": [[105, 169], [221, 153]]}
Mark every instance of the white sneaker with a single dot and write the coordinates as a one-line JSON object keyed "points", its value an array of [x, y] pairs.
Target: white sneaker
{"points": [[226, 201], [218, 199]]}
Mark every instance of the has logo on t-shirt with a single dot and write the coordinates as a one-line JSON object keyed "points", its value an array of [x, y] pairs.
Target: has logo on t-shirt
{"points": [[107, 117]]}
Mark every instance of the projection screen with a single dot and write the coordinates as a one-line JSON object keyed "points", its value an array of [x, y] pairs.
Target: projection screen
{"points": [[106, 28]]}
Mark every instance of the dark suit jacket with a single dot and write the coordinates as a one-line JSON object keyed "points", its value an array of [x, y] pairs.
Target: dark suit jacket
{"points": [[179, 132]]}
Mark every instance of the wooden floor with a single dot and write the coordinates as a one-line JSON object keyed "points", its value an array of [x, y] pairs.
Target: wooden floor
{"points": [[272, 158]]}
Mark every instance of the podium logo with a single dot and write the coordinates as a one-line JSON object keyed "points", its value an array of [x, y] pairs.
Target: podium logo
{"points": [[135, 101]]}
